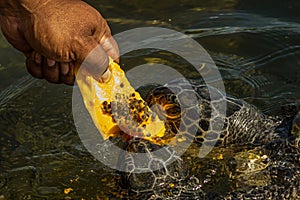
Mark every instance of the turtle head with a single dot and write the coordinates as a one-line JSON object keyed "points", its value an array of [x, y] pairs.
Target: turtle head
{"points": [[164, 103]]}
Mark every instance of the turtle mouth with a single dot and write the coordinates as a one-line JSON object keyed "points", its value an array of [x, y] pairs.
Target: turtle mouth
{"points": [[173, 111], [169, 111]]}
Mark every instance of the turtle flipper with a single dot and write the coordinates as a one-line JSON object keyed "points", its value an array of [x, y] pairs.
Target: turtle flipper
{"points": [[150, 171]]}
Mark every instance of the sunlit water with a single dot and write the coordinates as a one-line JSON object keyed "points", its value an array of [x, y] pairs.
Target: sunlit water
{"points": [[256, 47]]}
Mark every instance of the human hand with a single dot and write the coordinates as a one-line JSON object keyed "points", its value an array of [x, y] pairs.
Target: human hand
{"points": [[57, 36]]}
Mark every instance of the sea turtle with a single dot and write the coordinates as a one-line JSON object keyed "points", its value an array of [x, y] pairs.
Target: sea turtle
{"points": [[266, 153]]}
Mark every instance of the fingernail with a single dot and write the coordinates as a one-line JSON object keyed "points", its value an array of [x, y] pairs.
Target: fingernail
{"points": [[64, 67], [106, 76], [50, 62], [38, 58]]}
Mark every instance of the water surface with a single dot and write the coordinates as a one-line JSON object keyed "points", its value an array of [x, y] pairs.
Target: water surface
{"points": [[255, 44]]}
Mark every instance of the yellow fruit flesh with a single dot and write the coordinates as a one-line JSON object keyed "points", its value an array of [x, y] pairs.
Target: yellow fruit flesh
{"points": [[116, 107]]}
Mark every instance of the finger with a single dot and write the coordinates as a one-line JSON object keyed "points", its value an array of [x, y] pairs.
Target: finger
{"points": [[38, 58], [106, 76], [64, 68], [110, 46], [96, 62], [34, 68], [69, 77], [86, 46], [50, 73], [50, 62]]}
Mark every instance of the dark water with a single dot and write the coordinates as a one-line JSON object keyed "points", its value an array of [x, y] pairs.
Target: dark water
{"points": [[255, 44]]}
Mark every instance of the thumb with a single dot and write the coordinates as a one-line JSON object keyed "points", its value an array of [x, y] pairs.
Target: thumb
{"points": [[96, 62]]}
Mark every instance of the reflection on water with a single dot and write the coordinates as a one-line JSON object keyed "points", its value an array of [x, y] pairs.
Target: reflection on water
{"points": [[255, 45]]}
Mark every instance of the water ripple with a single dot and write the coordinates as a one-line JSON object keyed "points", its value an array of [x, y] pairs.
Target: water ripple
{"points": [[237, 22], [263, 60], [258, 56], [15, 89]]}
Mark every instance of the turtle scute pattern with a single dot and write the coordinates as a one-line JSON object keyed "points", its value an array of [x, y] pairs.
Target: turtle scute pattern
{"points": [[161, 173], [156, 172], [188, 108]]}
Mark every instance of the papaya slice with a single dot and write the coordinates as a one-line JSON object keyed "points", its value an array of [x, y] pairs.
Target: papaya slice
{"points": [[116, 108]]}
